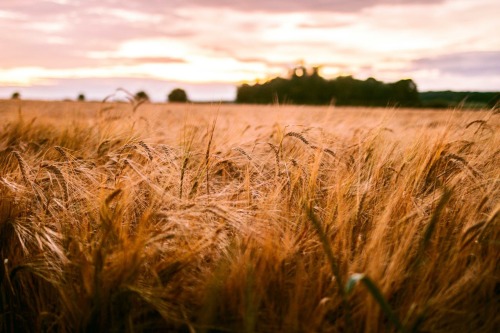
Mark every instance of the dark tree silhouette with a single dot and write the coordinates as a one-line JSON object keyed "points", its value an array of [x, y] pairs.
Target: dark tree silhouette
{"points": [[308, 87], [15, 95], [141, 96], [178, 95], [81, 98], [450, 99]]}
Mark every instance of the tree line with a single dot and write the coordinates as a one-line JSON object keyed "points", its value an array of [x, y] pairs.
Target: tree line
{"points": [[468, 99], [309, 87], [177, 96]]}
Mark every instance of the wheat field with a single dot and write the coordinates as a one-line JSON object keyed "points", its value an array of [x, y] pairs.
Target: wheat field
{"points": [[117, 217]]}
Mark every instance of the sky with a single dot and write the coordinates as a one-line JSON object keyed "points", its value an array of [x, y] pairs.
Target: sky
{"points": [[57, 49]]}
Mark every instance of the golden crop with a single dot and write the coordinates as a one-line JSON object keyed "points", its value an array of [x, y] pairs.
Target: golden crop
{"points": [[200, 218]]}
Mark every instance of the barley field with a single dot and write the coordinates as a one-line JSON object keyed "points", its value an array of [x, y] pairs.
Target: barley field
{"points": [[116, 217]]}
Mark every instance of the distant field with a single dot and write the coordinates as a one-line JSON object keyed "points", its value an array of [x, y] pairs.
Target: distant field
{"points": [[236, 218]]}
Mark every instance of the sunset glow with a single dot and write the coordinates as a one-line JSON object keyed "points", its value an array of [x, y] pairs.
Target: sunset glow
{"points": [[209, 47]]}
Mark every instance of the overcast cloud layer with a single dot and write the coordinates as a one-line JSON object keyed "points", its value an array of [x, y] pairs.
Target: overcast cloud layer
{"points": [[59, 48]]}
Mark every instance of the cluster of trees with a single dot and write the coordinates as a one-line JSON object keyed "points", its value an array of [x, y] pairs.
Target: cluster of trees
{"points": [[308, 87]]}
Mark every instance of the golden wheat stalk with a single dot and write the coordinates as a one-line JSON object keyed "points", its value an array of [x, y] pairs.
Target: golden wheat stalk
{"points": [[147, 149], [23, 166], [242, 152], [60, 179], [298, 136]]}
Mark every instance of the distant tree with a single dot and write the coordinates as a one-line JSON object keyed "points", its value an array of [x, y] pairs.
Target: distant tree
{"points": [[178, 95], [141, 96], [16, 95], [81, 98]]}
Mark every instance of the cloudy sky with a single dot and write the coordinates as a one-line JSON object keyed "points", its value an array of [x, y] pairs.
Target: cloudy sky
{"points": [[54, 49]]}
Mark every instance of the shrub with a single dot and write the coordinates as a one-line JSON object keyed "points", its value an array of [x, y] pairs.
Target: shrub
{"points": [[178, 95], [141, 96]]}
